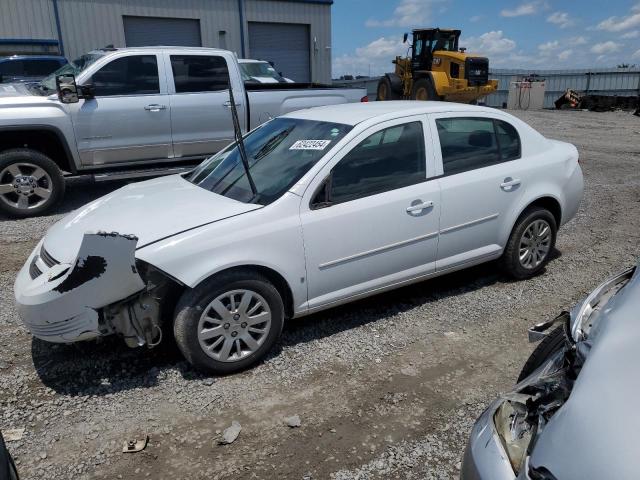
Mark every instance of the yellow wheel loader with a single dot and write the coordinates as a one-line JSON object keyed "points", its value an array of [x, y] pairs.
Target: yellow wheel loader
{"points": [[437, 70]]}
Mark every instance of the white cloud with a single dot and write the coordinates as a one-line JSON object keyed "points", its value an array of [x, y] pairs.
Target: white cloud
{"points": [[618, 24], [523, 9], [489, 43], [565, 55], [548, 47], [408, 13], [636, 54], [633, 34], [605, 47], [562, 19], [577, 40], [375, 57]]}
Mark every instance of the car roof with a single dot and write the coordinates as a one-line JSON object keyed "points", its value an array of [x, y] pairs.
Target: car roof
{"points": [[107, 50], [354, 113]]}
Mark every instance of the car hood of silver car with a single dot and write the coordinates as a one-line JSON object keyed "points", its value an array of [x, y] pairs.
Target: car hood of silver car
{"points": [[595, 433], [150, 210]]}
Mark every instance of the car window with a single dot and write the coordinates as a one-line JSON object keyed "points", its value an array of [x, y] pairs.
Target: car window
{"points": [[199, 73], [12, 68], [40, 68], [389, 159], [133, 75], [467, 144], [279, 153], [509, 140]]}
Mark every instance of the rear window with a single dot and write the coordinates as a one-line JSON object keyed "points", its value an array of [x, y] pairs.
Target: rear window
{"points": [[12, 68], [469, 143], [40, 68], [199, 73]]}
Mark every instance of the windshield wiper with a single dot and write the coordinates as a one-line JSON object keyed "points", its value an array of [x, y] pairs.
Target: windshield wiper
{"points": [[271, 145], [243, 153]]}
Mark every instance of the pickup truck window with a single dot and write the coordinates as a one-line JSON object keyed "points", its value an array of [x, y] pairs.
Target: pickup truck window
{"points": [[133, 75], [199, 73], [279, 153], [389, 159]]}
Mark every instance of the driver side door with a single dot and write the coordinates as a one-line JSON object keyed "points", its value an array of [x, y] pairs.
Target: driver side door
{"points": [[371, 220], [129, 119]]}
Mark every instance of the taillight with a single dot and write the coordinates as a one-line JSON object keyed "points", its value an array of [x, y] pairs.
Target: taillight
{"points": [[364, 99]]}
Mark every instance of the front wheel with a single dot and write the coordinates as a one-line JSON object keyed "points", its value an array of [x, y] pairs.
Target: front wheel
{"points": [[30, 183], [229, 322], [385, 91], [423, 90], [532, 240], [545, 349]]}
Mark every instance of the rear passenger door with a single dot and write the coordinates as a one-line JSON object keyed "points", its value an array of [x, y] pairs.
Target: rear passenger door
{"points": [[200, 109], [482, 178]]}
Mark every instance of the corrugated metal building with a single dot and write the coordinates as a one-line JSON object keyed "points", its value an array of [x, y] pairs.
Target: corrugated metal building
{"points": [[294, 34]]}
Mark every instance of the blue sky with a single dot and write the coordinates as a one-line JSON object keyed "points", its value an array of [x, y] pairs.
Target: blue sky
{"points": [[367, 34]]}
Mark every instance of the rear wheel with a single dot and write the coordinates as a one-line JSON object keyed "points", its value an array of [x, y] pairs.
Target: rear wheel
{"points": [[423, 90], [385, 90], [229, 322], [532, 240], [551, 344], [30, 183]]}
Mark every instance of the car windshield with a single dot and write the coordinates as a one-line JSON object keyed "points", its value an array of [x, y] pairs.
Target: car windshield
{"points": [[78, 65], [260, 69], [279, 153]]}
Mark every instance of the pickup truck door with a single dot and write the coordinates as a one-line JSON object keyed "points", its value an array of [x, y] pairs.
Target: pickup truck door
{"points": [[129, 118], [200, 108], [378, 225]]}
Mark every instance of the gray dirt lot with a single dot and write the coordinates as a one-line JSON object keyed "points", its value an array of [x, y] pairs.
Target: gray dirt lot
{"points": [[387, 387]]}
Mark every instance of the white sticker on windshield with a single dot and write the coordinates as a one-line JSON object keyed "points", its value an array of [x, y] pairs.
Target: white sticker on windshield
{"points": [[310, 145]]}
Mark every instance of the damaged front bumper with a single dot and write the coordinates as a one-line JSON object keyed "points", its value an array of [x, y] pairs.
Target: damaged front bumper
{"points": [[63, 302]]}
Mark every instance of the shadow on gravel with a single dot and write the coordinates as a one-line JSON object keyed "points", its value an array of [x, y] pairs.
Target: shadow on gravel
{"points": [[108, 366]]}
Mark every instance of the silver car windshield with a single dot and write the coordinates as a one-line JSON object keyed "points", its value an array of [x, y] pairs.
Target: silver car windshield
{"points": [[279, 153], [48, 83], [260, 69]]}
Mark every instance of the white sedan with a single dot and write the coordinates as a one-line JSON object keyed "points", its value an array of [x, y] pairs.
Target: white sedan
{"points": [[349, 200]]}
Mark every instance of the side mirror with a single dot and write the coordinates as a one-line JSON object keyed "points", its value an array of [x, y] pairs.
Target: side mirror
{"points": [[405, 37], [67, 88]]}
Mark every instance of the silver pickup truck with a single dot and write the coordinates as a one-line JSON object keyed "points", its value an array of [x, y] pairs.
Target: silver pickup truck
{"points": [[133, 112]]}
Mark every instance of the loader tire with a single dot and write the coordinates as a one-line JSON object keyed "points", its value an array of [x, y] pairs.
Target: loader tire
{"points": [[423, 90], [385, 90]]}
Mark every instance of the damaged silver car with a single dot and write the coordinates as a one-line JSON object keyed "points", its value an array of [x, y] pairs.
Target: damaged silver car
{"points": [[573, 414]]}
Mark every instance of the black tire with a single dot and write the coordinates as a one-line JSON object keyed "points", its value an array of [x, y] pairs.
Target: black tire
{"points": [[20, 156], [551, 344], [7, 467], [192, 303], [510, 260], [385, 90], [423, 90]]}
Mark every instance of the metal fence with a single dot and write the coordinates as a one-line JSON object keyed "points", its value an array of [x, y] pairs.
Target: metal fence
{"points": [[606, 81]]}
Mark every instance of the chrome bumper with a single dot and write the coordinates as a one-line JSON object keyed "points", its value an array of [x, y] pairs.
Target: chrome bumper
{"points": [[61, 303]]}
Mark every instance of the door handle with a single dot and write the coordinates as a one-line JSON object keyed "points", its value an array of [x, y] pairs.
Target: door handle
{"points": [[228, 104], [154, 107], [420, 206], [510, 182]]}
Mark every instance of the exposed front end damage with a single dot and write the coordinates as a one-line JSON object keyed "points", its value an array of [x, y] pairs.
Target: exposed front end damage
{"points": [[101, 292], [508, 435]]}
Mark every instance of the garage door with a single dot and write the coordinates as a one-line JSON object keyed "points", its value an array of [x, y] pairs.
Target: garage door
{"points": [[144, 31], [284, 44]]}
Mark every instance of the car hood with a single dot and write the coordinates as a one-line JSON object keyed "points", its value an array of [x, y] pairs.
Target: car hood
{"points": [[150, 210], [595, 433]]}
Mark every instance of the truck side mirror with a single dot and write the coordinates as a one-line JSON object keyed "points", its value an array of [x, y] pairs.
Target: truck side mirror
{"points": [[67, 88], [405, 37]]}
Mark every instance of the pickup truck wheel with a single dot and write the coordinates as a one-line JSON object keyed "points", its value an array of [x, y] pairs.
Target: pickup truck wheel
{"points": [[531, 243], [30, 183], [229, 322]]}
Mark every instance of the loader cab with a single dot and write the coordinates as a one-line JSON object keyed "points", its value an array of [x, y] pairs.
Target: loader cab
{"points": [[430, 40]]}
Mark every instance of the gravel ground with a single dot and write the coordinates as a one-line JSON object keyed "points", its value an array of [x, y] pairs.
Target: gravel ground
{"points": [[387, 387]]}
